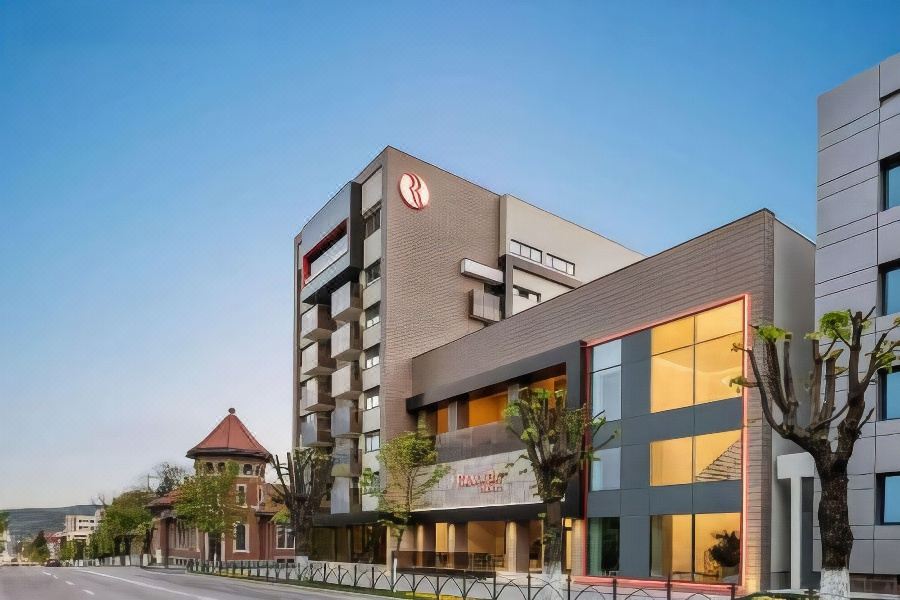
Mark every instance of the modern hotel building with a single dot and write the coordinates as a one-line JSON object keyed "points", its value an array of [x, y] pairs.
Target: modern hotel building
{"points": [[425, 300]]}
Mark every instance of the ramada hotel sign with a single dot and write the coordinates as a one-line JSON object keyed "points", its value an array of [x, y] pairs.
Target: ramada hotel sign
{"points": [[413, 191], [490, 481]]}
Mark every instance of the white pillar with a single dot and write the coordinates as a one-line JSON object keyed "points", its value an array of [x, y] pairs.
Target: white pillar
{"points": [[796, 530]]}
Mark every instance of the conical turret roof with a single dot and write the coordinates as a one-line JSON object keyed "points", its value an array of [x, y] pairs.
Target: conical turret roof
{"points": [[230, 437]]}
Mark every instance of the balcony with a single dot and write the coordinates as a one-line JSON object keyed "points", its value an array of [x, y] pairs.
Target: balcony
{"points": [[345, 382], [372, 248], [315, 430], [484, 306], [316, 360], [371, 377], [346, 463], [371, 294], [345, 342], [371, 419], [371, 336], [316, 323], [315, 394], [345, 422], [346, 302], [473, 442]]}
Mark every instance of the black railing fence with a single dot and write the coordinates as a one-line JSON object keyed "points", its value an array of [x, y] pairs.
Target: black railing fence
{"points": [[464, 585]]}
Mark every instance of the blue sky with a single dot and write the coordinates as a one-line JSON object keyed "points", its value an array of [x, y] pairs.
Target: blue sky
{"points": [[157, 158]]}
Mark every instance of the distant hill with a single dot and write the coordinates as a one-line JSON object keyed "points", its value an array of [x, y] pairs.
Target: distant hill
{"points": [[24, 523]]}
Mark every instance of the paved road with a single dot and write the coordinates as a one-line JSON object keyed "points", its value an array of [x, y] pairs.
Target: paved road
{"points": [[132, 583]]}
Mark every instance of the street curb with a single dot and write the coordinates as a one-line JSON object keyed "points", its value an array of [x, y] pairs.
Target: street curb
{"points": [[297, 586]]}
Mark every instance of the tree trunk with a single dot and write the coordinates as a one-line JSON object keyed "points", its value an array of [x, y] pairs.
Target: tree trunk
{"points": [[837, 537], [553, 539]]}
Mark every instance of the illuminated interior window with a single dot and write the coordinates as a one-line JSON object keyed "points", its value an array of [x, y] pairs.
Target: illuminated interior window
{"points": [[693, 360], [488, 409], [698, 459], [443, 419], [702, 547], [670, 546], [670, 461]]}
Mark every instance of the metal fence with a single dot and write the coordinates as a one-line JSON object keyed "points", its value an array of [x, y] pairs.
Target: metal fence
{"points": [[464, 585]]}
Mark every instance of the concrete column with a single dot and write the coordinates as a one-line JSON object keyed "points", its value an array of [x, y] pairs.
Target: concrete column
{"points": [[796, 531], [458, 543], [425, 536], [517, 546]]}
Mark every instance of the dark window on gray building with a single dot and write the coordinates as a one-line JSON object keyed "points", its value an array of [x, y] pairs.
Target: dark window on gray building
{"points": [[890, 289], [526, 293], [373, 398], [372, 222], [891, 177], [890, 394], [372, 357], [603, 546], [373, 315], [373, 273], [373, 441], [890, 499]]}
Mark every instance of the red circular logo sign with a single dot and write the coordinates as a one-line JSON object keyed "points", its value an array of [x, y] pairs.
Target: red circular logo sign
{"points": [[413, 191]]}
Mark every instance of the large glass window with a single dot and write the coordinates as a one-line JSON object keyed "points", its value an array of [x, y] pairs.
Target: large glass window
{"points": [[606, 469], [890, 394], [670, 461], [703, 547], [890, 290], [891, 178], [487, 409], [890, 499], [603, 546], [698, 459], [330, 250], [606, 380], [693, 361]]}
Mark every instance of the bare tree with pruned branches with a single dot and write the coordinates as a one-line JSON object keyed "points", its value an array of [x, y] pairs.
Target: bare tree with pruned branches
{"points": [[303, 483], [829, 429]]}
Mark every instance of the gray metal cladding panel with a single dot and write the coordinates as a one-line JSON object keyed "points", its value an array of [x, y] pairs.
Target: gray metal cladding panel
{"points": [[329, 216], [658, 426], [635, 385], [671, 500], [723, 415], [717, 496], [636, 347], [635, 502], [605, 503], [634, 546], [334, 275], [635, 467]]}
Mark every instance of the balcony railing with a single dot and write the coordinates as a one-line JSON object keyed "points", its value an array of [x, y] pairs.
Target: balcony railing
{"points": [[346, 302], [315, 394], [345, 382], [345, 342], [472, 442], [347, 463], [316, 359], [315, 430], [316, 323], [345, 422], [484, 306]]}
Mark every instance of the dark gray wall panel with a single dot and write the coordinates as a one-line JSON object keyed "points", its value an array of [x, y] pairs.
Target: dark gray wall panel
{"points": [[607, 503], [671, 500], [634, 546], [717, 496]]}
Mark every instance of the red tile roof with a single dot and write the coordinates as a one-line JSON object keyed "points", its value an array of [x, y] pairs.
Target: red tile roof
{"points": [[230, 437]]}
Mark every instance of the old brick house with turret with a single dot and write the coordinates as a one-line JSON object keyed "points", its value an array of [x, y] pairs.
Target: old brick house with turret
{"points": [[257, 536]]}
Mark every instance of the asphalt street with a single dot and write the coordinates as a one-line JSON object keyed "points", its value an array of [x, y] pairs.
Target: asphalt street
{"points": [[132, 583]]}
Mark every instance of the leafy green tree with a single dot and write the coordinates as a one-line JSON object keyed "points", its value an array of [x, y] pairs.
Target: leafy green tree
{"points": [[208, 500], [558, 443], [127, 520], [4, 525], [304, 481], [828, 428], [409, 463], [170, 476], [37, 550]]}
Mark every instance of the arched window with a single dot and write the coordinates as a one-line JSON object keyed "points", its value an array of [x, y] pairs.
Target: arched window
{"points": [[248, 469], [240, 537]]}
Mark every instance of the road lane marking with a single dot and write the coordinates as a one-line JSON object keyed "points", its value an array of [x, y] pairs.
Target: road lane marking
{"points": [[147, 585], [88, 592], [55, 577], [47, 574], [69, 583]]}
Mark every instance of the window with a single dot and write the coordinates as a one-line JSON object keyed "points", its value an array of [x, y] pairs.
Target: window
{"points": [[373, 315], [333, 246], [559, 264], [698, 459], [703, 547], [372, 222], [890, 394], [373, 441], [486, 409], [891, 177], [373, 272], [692, 358], [605, 469], [606, 381], [603, 546], [526, 293], [241, 495], [525, 251], [240, 537], [890, 499], [248, 469], [372, 357], [372, 398], [284, 537], [443, 418], [890, 289]]}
